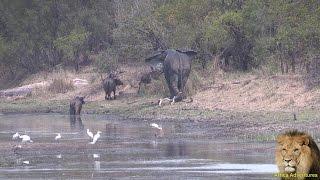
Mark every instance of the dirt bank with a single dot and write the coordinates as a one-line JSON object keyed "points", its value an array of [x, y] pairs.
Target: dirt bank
{"points": [[249, 95]]}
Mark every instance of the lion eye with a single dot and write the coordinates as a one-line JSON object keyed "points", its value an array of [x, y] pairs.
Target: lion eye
{"points": [[296, 150], [284, 149]]}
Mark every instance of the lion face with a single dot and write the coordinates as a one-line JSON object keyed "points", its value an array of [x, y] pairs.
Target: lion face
{"points": [[293, 155]]}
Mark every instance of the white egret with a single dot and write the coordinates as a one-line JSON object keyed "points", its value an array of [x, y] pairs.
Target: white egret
{"points": [[59, 156], [173, 100], [25, 138], [154, 125], [25, 162], [90, 134], [57, 137], [16, 135], [96, 155], [161, 100], [95, 137]]}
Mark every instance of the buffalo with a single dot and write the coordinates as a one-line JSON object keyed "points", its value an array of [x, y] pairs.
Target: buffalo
{"points": [[109, 85], [76, 105]]}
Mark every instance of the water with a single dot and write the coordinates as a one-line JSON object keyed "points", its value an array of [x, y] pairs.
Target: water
{"points": [[128, 149]]}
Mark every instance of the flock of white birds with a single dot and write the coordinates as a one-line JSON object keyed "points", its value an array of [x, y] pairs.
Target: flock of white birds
{"points": [[25, 138], [94, 138]]}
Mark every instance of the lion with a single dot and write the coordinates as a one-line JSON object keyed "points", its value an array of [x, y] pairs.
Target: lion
{"points": [[297, 154]]}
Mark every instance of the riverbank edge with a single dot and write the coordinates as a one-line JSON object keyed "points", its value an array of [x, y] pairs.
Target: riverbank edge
{"points": [[147, 108]]}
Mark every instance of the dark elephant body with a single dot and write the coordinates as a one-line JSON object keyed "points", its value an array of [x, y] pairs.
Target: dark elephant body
{"points": [[76, 105], [109, 85], [176, 68]]}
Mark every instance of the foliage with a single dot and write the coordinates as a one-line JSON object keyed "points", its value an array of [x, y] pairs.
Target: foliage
{"points": [[106, 62], [38, 35]]}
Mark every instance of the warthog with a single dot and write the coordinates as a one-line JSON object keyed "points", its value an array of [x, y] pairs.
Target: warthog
{"points": [[76, 105], [109, 85]]}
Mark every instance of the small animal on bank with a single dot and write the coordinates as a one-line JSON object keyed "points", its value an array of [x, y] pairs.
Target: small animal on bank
{"points": [[110, 84], [297, 153], [76, 105]]}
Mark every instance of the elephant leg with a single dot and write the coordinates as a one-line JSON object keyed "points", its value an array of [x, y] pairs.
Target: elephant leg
{"points": [[106, 97], [172, 85], [114, 94], [184, 80]]}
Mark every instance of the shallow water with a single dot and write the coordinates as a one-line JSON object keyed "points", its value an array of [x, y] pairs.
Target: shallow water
{"points": [[128, 149]]}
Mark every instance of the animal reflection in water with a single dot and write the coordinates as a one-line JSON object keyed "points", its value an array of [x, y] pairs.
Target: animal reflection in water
{"points": [[76, 122]]}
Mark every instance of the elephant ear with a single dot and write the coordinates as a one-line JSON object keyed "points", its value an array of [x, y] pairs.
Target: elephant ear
{"points": [[159, 56], [156, 60], [188, 52]]}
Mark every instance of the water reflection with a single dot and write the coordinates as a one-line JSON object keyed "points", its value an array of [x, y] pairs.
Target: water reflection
{"points": [[177, 149], [76, 122], [126, 149]]}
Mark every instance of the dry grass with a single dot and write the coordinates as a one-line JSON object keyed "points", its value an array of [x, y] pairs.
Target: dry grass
{"points": [[249, 92], [60, 85]]}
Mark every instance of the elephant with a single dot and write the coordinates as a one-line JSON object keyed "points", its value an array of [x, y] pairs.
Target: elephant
{"points": [[76, 105], [176, 68], [109, 86]]}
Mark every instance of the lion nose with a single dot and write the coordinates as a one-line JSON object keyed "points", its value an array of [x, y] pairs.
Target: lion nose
{"points": [[287, 160]]}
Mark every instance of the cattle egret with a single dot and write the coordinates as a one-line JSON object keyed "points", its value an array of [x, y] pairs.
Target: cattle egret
{"points": [[59, 156], [16, 135], [173, 100], [25, 138], [96, 137], [90, 134], [161, 100], [154, 125], [96, 155], [25, 162], [57, 137]]}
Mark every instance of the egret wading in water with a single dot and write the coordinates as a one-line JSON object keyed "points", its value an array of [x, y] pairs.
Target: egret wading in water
{"points": [[25, 138], [154, 125], [58, 137], [158, 127], [95, 137], [90, 134], [26, 162], [16, 135]]}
